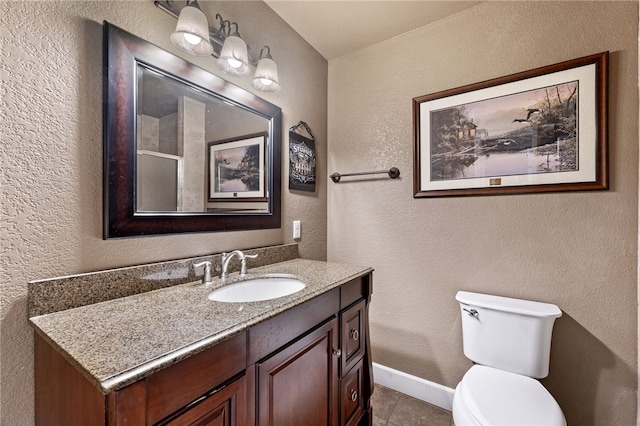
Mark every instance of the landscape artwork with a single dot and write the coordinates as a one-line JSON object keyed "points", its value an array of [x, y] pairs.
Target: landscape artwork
{"points": [[523, 133], [536, 131], [236, 169]]}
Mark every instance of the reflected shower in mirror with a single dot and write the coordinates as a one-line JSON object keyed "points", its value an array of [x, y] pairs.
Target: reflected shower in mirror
{"points": [[184, 150]]}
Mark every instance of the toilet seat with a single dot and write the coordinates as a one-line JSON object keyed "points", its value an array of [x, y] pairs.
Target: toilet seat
{"points": [[496, 397]]}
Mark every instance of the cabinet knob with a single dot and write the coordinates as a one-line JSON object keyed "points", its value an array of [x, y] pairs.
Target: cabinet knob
{"points": [[354, 395], [355, 334], [337, 353]]}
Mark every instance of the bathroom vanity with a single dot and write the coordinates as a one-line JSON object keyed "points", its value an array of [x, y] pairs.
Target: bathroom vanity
{"points": [[173, 357]]}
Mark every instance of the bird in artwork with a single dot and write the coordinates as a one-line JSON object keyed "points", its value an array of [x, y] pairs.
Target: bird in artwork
{"points": [[530, 112], [533, 111]]}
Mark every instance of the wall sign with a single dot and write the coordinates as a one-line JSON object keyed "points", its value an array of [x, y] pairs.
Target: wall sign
{"points": [[302, 160]]}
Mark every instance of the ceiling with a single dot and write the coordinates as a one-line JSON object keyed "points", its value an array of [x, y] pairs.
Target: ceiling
{"points": [[336, 28]]}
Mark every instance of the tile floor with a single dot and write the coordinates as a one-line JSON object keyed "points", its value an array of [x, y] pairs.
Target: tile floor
{"points": [[391, 408]]}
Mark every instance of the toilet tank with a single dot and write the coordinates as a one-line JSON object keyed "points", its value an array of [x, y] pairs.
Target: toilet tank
{"points": [[507, 334]]}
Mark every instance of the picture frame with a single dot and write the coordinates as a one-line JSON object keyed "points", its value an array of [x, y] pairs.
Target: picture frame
{"points": [[236, 169], [542, 130]]}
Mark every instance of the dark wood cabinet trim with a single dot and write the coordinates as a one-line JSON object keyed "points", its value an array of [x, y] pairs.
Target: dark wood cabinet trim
{"points": [[63, 396], [123, 406]]}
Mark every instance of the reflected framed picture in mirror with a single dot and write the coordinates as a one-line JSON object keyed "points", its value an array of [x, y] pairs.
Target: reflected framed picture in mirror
{"points": [[236, 168]]}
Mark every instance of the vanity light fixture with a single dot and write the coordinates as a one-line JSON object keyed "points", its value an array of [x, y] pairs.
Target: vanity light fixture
{"points": [[266, 76], [234, 57], [192, 32]]}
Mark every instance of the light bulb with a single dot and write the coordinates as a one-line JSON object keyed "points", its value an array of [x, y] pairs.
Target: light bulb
{"points": [[266, 81], [192, 38], [234, 63]]}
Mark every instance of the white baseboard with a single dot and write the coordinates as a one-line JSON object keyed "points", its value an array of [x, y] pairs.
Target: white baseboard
{"points": [[419, 388]]}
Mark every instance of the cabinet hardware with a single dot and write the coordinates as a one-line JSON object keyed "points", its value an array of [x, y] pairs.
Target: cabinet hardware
{"points": [[337, 353], [354, 395], [355, 334]]}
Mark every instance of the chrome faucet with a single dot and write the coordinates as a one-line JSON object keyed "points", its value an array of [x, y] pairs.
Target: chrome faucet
{"points": [[206, 277], [226, 258]]}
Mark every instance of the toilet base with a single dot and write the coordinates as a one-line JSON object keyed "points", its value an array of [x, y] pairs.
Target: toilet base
{"points": [[461, 415]]}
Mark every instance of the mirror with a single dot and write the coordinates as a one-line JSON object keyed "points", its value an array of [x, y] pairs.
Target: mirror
{"points": [[184, 150]]}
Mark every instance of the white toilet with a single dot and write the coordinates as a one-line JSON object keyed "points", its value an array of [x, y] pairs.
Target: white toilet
{"points": [[510, 342]]}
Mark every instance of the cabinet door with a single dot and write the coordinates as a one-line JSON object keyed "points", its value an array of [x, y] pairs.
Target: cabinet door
{"points": [[353, 336], [351, 396], [299, 385], [222, 408]]}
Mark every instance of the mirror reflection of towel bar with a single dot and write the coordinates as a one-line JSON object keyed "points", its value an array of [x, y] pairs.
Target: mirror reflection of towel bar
{"points": [[392, 172]]}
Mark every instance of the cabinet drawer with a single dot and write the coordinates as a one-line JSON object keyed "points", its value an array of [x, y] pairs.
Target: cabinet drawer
{"points": [[352, 337], [225, 407], [351, 396], [172, 388]]}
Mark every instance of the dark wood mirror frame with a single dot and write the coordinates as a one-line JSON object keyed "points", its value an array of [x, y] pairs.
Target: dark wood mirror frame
{"points": [[122, 51]]}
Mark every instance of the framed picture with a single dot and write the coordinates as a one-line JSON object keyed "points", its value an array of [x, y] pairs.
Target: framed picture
{"points": [[236, 168], [537, 131]]}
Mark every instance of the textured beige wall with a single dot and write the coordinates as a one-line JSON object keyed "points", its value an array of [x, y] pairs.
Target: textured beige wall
{"points": [[51, 151], [575, 249]]}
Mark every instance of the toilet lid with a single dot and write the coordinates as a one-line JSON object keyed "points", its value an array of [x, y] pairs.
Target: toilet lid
{"points": [[496, 397]]}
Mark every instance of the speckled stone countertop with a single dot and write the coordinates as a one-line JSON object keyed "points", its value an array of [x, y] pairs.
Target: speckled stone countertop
{"points": [[117, 342]]}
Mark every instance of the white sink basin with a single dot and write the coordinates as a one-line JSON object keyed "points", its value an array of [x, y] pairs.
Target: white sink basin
{"points": [[257, 289]]}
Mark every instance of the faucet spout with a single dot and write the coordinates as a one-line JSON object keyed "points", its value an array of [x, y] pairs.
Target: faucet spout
{"points": [[226, 259]]}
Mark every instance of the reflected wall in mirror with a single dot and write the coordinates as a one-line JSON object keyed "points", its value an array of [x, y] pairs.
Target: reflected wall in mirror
{"points": [[162, 116]]}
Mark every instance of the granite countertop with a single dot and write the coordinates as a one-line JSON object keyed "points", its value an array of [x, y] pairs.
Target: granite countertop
{"points": [[118, 342]]}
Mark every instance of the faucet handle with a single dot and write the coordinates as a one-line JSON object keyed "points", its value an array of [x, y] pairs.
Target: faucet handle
{"points": [[206, 278], [243, 268]]}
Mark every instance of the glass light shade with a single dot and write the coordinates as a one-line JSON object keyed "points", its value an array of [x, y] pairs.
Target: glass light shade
{"points": [[234, 59], [266, 77], [192, 32]]}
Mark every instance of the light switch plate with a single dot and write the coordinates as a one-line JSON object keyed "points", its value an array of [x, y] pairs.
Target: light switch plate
{"points": [[296, 229]]}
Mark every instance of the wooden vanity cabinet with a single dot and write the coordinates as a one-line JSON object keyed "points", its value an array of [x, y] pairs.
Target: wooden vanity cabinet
{"points": [[322, 375], [309, 365], [64, 397]]}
